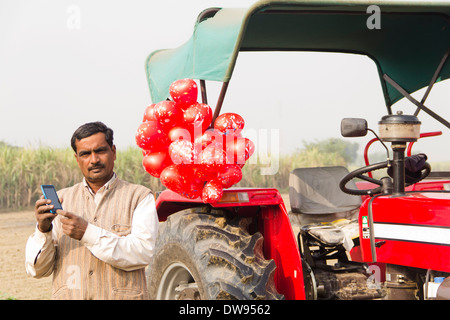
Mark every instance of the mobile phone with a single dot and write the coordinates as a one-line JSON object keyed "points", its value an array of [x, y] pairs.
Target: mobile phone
{"points": [[50, 193]]}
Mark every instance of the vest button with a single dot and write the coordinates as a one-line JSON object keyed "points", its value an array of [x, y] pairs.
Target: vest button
{"points": [[95, 219]]}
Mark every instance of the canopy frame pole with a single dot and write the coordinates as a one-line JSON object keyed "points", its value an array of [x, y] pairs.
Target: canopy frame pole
{"points": [[203, 90], [417, 103], [220, 100], [433, 79]]}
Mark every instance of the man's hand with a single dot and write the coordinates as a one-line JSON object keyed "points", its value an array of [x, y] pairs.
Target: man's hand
{"points": [[43, 216], [73, 226]]}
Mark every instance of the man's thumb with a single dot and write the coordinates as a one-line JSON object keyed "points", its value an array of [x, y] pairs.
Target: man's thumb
{"points": [[64, 213]]}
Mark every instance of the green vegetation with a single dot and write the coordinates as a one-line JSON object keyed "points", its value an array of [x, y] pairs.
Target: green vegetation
{"points": [[4, 296], [309, 157], [23, 170]]}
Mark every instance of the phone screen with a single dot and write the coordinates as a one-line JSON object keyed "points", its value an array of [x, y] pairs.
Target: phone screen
{"points": [[50, 193]]}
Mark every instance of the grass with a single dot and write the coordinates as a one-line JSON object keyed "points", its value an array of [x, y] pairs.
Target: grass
{"points": [[23, 170], [4, 296], [252, 177]]}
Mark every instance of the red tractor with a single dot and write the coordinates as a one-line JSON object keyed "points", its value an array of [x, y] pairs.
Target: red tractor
{"points": [[379, 238]]}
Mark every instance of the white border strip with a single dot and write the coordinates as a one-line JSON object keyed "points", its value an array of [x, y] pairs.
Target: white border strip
{"points": [[438, 235]]}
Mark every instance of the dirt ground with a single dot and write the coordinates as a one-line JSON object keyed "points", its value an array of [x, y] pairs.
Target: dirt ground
{"points": [[15, 228]]}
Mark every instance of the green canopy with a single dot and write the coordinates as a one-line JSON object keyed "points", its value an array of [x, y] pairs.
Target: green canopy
{"points": [[410, 44]]}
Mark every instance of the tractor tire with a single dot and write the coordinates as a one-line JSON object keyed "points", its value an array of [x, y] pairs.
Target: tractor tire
{"points": [[203, 256]]}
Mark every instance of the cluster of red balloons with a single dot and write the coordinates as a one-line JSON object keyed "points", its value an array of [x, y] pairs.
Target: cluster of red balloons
{"points": [[188, 153]]}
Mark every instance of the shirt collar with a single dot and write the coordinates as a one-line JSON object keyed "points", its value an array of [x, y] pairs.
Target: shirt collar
{"points": [[104, 187]]}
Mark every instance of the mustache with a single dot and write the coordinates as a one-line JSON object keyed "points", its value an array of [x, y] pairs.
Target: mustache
{"points": [[96, 166]]}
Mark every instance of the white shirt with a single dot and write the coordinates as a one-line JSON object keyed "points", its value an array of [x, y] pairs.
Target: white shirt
{"points": [[128, 253]]}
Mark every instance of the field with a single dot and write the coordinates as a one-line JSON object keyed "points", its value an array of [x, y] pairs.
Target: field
{"points": [[15, 228], [23, 170]]}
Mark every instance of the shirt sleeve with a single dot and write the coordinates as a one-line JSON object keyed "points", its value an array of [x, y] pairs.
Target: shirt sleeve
{"points": [[40, 254], [132, 251]]}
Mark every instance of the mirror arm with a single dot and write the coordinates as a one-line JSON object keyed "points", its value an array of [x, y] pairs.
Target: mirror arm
{"points": [[387, 149]]}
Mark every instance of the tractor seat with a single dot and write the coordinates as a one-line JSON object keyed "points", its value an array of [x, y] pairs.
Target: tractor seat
{"points": [[332, 234], [316, 201]]}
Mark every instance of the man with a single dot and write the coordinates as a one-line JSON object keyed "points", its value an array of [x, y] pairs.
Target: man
{"points": [[99, 245]]}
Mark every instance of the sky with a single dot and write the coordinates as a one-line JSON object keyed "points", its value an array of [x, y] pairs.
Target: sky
{"points": [[64, 63]]}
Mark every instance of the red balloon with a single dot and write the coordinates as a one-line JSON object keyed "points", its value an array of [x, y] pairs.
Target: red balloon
{"points": [[184, 92], [171, 178], [198, 117], [179, 133], [239, 151], [149, 114], [191, 187], [202, 173], [154, 163], [212, 191], [213, 158], [151, 137], [230, 139], [210, 136], [231, 175], [229, 123], [192, 190], [168, 113], [188, 158], [181, 152]]}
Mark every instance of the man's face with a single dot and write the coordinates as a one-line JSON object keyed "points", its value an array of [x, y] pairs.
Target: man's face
{"points": [[95, 158]]}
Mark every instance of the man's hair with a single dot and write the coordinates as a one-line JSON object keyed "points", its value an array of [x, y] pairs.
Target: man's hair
{"points": [[90, 128]]}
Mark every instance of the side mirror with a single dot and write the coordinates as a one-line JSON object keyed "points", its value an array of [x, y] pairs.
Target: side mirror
{"points": [[353, 127]]}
